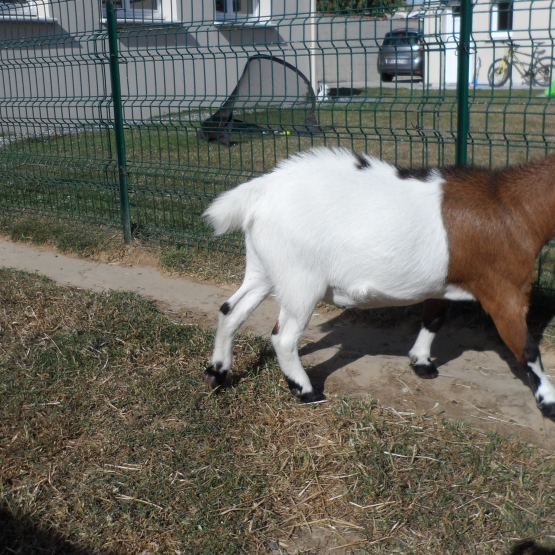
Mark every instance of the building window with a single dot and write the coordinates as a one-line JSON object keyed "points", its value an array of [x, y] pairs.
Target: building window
{"points": [[504, 16], [236, 9], [16, 7], [501, 20], [143, 11], [29, 10]]}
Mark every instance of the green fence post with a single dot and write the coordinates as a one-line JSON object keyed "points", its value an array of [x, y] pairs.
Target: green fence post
{"points": [[463, 112], [111, 17]]}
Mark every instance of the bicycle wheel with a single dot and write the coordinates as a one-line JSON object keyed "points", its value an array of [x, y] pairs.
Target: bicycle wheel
{"points": [[544, 71], [499, 72]]}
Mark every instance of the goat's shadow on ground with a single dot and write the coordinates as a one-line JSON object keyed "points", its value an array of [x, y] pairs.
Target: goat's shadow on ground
{"points": [[22, 535], [393, 331]]}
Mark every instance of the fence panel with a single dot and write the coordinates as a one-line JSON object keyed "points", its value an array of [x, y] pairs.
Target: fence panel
{"points": [[56, 154], [216, 92]]}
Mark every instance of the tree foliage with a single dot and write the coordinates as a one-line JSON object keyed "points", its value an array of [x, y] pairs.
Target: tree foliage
{"points": [[369, 7]]}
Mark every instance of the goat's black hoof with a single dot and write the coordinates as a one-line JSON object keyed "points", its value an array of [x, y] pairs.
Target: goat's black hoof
{"points": [[314, 396], [530, 547], [213, 376], [425, 371], [547, 409]]}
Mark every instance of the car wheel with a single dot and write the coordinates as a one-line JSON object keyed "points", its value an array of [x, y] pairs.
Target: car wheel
{"points": [[387, 78]]}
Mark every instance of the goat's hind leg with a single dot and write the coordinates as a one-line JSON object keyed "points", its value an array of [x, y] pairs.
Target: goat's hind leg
{"points": [[285, 339], [232, 315], [433, 317]]}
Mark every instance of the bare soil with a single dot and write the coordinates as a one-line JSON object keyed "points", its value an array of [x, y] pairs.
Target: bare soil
{"points": [[479, 380]]}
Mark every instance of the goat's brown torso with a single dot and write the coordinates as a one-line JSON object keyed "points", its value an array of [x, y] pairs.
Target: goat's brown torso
{"points": [[493, 217], [497, 221]]}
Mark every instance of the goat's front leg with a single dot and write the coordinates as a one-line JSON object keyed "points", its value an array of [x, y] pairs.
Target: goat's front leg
{"points": [[544, 391], [285, 339], [433, 317], [509, 315]]}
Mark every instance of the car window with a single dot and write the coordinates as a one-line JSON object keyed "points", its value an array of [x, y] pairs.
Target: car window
{"points": [[401, 40]]}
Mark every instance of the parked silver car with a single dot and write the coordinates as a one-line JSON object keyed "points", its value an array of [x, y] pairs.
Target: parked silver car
{"points": [[401, 53]]}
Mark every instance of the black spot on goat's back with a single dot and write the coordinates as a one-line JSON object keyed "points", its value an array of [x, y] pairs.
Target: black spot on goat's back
{"points": [[362, 162], [225, 308], [422, 174]]}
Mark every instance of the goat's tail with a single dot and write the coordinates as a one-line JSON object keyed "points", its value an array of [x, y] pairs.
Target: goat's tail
{"points": [[232, 209]]}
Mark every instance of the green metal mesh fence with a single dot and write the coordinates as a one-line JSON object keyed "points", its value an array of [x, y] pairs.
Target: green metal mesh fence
{"points": [[214, 92]]}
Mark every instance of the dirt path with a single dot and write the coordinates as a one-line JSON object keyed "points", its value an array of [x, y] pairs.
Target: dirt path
{"points": [[478, 381]]}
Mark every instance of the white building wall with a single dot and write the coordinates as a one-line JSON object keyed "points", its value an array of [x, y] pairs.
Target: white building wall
{"points": [[188, 60]]}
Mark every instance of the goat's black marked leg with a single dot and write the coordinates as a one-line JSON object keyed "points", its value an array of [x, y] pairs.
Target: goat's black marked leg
{"points": [[285, 338], [214, 376], [313, 396], [530, 547], [230, 318], [543, 389], [509, 314], [433, 317]]}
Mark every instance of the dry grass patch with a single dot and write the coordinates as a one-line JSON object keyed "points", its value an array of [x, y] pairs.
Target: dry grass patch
{"points": [[110, 444], [206, 265], [105, 244]]}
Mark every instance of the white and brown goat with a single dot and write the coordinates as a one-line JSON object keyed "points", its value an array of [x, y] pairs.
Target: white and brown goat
{"points": [[356, 231]]}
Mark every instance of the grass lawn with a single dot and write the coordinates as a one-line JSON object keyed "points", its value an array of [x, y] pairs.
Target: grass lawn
{"points": [[110, 444]]}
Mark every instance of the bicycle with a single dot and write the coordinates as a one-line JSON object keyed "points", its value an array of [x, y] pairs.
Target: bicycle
{"points": [[540, 70]]}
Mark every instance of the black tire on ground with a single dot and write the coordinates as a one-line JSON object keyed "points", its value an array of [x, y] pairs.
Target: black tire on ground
{"points": [[499, 72], [387, 78], [544, 71]]}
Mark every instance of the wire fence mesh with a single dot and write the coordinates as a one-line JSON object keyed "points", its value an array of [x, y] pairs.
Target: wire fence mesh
{"points": [[216, 92]]}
